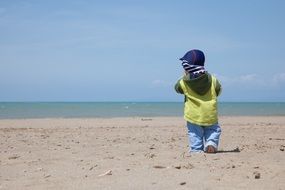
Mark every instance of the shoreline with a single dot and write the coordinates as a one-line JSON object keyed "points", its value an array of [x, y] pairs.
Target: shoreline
{"points": [[121, 121]]}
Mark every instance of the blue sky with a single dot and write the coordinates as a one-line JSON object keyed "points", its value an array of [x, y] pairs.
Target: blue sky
{"points": [[128, 50]]}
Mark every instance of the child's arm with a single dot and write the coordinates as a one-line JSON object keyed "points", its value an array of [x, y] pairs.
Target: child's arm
{"points": [[178, 88], [218, 88]]}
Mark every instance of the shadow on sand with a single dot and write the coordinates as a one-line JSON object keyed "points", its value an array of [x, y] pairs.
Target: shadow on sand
{"points": [[236, 150]]}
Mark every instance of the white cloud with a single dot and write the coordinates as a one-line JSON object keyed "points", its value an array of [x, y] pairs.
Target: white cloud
{"points": [[248, 78], [253, 80], [159, 82], [279, 78]]}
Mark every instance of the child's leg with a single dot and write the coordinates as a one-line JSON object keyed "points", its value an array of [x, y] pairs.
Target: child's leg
{"points": [[195, 135], [212, 137]]}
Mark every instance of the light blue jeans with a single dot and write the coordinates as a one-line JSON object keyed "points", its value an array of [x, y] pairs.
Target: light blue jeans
{"points": [[202, 136]]}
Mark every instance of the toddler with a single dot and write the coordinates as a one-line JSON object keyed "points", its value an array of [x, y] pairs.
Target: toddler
{"points": [[200, 90]]}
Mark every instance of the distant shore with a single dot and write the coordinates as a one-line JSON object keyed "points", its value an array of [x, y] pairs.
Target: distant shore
{"points": [[139, 153]]}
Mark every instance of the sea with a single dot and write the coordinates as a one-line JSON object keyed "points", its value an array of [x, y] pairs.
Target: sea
{"points": [[28, 110]]}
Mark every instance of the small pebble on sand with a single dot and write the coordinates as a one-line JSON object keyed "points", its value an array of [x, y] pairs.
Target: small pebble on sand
{"points": [[256, 175], [177, 167]]}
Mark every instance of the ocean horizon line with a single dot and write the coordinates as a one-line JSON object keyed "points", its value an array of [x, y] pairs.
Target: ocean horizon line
{"points": [[134, 102]]}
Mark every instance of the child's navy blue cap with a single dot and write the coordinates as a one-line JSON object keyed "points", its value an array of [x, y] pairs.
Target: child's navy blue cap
{"points": [[194, 57]]}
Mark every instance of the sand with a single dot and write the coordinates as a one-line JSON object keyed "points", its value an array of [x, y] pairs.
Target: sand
{"points": [[139, 153]]}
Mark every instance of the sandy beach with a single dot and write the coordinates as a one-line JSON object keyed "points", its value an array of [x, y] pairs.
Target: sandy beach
{"points": [[139, 153]]}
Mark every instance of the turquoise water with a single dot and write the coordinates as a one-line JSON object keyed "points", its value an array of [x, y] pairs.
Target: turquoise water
{"points": [[11, 110]]}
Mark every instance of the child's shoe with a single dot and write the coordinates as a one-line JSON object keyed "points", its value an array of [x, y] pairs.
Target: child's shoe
{"points": [[211, 149]]}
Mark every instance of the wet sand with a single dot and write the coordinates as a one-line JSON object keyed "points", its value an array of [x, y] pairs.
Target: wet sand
{"points": [[139, 153]]}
